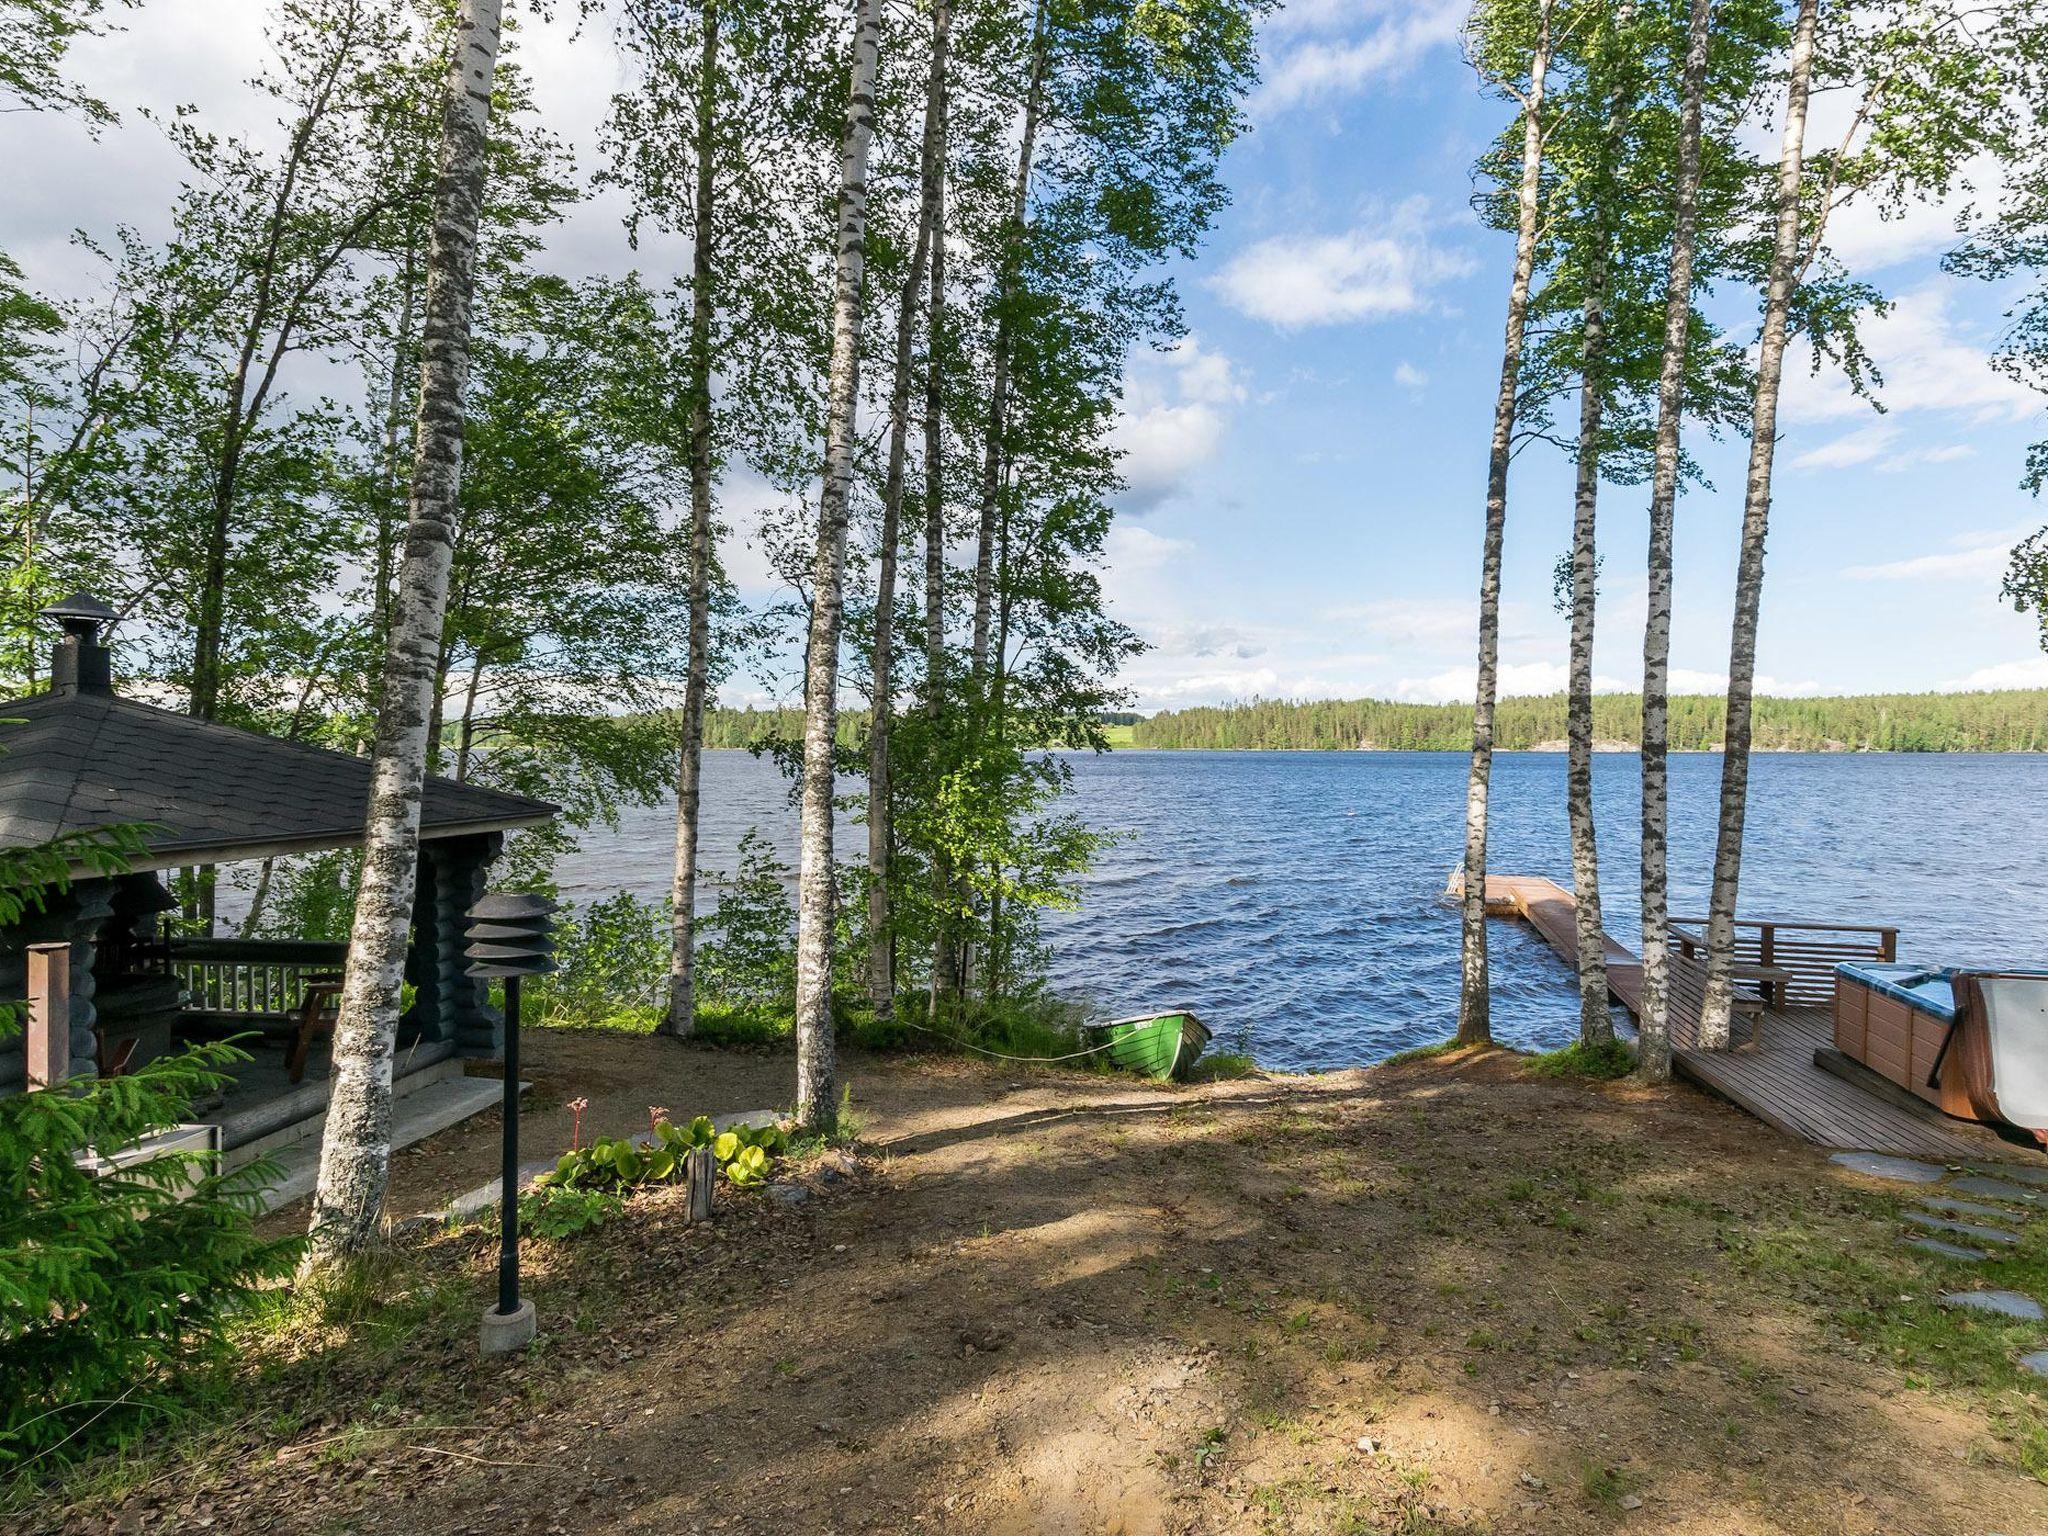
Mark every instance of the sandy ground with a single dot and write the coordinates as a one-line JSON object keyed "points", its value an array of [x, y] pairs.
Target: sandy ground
{"points": [[1439, 1297]]}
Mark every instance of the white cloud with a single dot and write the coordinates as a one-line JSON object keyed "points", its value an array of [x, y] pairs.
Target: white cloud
{"points": [[1205, 639], [1176, 410], [1971, 557], [1927, 365], [1388, 38], [1408, 376], [1131, 548], [1387, 266], [1458, 685], [2032, 673], [1858, 447]]}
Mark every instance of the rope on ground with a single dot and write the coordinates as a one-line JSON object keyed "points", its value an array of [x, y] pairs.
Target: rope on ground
{"points": [[969, 1045]]}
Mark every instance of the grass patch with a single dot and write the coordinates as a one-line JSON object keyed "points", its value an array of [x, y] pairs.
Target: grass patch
{"points": [[1880, 1301], [1421, 1053], [1609, 1059], [1223, 1067]]}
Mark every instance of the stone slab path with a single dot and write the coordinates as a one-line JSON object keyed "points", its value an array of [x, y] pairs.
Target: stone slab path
{"points": [[1967, 1192]]}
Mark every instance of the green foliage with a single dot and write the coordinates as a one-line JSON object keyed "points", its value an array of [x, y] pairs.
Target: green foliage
{"points": [[614, 1163], [746, 950], [556, 1211], [115, 1286], [2006, 721], [1610, 1059], [613, 968]]}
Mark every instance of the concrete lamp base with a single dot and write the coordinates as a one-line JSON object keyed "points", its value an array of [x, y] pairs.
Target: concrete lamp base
{"points": [[507, 1333]]}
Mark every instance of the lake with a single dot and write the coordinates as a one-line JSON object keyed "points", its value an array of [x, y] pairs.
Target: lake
{"points": [[1295, 898]]}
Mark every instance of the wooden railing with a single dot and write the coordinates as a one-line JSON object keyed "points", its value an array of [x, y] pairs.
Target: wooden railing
{"points": [[1807, 952], [251, 978]]}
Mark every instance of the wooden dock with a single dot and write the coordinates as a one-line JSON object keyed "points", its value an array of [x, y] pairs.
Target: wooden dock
{"points": [[1774, 1075]]}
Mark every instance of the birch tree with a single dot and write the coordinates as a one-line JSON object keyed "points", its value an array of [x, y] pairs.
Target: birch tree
{"points": [[815, 1072], [1495, 29], [1935, 85], [1609, 73], [708, 142], [931, 183], [355, 1154], [1653, 1051], [1714, 1013]]}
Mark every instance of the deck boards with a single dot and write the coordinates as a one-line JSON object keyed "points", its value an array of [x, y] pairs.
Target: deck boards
{"points": [[1774, 1078]]}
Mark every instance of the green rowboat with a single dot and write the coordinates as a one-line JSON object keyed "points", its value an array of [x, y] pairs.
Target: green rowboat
{"points": [[1159, 1045]]}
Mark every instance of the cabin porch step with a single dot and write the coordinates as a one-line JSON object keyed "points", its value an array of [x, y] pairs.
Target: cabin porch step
{"points": [[415, 1117], [270, 1127]]}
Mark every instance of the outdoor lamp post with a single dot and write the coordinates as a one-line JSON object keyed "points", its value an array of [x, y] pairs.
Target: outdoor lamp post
{"points": [[510, 937]]}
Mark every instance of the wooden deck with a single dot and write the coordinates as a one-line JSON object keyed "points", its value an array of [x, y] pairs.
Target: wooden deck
{"points": [[1774, 1076]]}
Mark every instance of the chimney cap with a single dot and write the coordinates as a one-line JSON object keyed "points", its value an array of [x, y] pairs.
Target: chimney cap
{"points": [[81, 611]]}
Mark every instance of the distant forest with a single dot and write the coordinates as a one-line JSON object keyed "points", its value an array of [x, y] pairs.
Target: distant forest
{"points": [[2006, 721]]}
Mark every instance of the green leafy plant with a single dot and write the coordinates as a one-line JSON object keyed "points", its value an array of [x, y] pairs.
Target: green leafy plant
{"points": [[557, 1211], [613, 1163]]}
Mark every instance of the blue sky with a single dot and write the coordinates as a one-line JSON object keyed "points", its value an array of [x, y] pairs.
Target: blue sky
{"points": [[1307, 469], [1309, 489]]}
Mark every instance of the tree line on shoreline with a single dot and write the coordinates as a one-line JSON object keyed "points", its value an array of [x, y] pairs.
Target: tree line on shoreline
{"points": [[2014, 720]]}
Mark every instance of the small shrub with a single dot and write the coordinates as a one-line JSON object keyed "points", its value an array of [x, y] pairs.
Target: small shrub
{"points": [[115, 1286], [746, 950], [1609, 1059], [614, 968], [558, 1211]]}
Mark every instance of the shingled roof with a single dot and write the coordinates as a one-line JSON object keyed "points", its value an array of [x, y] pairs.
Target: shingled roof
{"points": [[82, 759]]}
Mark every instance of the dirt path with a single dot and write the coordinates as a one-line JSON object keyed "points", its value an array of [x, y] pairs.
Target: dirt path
{"points": [[1443, 1297]]}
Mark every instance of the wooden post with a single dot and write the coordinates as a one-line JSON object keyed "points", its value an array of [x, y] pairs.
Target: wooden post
{"points": [[699, 1177], [49, 1014]]}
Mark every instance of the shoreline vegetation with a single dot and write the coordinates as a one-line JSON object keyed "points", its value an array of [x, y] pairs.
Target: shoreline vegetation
{"points": [[2002, 720]]}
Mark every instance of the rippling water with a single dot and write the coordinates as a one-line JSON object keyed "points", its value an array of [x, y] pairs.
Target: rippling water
{"points": [[1296, 896]]}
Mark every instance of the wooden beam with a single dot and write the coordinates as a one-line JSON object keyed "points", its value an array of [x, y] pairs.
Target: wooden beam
{"points": [[49, 1014]]}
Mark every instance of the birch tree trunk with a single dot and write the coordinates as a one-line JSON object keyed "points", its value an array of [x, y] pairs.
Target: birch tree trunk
{"points": [[945, 977], [931, 170], [815, 1075], [999, 360], [1475, 1026], [681, 1019], [355, 1154], [1756, 518], [1654, 1033], [1596, 1022], [1596, 1025]]}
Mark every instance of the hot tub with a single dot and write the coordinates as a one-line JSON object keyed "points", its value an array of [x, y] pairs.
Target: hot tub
{"points": [[1893, 1018]]}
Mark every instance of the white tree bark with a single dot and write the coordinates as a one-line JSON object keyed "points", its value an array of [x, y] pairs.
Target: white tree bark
{"points": [[1596, 1025], [1654, 1036], [1596, 1022], [355, 1155], [1756, 518], [681, 1019], [1475, 1022], [815, 1073], [945, 977], [931, 174]]}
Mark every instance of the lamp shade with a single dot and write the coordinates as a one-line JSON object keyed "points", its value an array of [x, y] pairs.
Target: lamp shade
{"points": [[511, 933]]}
